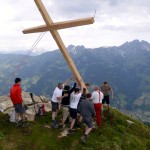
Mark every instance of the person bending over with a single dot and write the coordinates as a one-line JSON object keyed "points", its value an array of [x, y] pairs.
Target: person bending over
{"points": [[86, 109]]}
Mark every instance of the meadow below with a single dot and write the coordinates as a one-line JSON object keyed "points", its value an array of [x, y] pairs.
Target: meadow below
{"points": [[115, 133]]}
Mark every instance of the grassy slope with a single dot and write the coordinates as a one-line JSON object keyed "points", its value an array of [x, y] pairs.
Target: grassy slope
{"points": [[114, 134]]}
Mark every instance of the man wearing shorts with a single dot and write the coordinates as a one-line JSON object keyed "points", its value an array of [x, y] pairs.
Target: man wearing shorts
{"points": [[74, 100], [15, 96], [65, 103], [87, 111], [56, 98], [106, 89], [83, 97]]}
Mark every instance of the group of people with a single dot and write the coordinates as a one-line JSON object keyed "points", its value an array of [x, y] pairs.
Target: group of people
{"points": [[79, 105], [76, 103]]}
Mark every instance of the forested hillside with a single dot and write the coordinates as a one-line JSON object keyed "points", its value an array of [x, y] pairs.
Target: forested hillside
{"points": [[126, 68]]}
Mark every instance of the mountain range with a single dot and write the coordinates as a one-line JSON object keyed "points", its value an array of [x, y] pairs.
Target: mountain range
{"points": [[126, 68]]}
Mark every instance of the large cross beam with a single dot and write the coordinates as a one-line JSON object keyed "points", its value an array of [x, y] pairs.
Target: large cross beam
{"points": [[53, 27]]}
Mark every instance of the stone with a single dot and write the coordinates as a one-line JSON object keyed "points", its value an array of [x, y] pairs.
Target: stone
{"points": [[6, 105]]}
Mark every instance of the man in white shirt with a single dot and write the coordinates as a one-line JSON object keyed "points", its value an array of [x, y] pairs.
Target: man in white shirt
{"points": [[74, 100], [57, 96], [97, 97]]}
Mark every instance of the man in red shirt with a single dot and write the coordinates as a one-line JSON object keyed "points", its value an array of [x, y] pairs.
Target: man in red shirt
{"points": [[15, 96]]}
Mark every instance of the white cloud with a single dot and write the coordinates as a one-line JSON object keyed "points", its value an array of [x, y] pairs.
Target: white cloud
{"points": [[115, 22]]}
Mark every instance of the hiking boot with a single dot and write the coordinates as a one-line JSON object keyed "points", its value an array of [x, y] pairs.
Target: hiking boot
{"points": [[70, 131], [83, 139], [55, 122], [54, 125], [18, 125], [25, 124]]}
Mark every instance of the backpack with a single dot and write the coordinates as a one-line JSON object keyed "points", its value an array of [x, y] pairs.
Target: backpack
{"points": [[41, 110]]}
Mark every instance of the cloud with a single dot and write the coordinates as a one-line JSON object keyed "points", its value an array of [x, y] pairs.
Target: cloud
{"points": [[76, 8], [117, 21]]}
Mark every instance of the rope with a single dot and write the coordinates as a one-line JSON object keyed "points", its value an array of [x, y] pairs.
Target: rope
{"points": [[30, 51], [23, 60]]}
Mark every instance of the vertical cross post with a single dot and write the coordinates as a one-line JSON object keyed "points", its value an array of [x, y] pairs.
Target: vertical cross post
{"points": [[53, 27]]}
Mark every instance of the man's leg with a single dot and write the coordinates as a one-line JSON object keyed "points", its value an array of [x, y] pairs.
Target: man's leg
{"points": [[16, 114], [17, 118], [72, 123], [97, 108], [73, 114], [24, 123], [54, 114], [65, 111], [70, 131], [79, 120], [23, 117], [21, 111], [88, 128], [54, 122]]}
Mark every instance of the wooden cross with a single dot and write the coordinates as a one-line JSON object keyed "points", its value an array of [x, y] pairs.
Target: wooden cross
{"points": [[53, 27]]}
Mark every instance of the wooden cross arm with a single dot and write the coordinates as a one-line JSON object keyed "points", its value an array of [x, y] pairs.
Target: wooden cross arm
{"points": [[73, 23], [42, 28], [60, 25]]}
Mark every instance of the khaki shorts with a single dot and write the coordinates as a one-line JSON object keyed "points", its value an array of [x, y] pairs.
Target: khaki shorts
{"points": [[65, 112]]}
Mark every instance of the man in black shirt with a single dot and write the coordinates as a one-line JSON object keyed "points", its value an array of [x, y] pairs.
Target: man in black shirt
{"points": [[65, 103]]}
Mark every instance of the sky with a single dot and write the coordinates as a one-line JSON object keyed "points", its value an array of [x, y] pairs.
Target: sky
{"points": [[116, 21]]}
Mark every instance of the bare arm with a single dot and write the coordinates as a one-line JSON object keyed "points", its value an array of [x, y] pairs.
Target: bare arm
{"points": [[60, 98], [72, 89], [112, 94], [67, 82]]}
